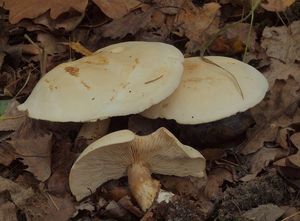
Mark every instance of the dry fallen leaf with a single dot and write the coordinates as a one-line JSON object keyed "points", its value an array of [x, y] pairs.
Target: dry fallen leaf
{"points": [[50, 44], [190, 186], [34, 147], [281, 71], [274, 112], [215, 180], [295, 158], [277, 5], [19, 9], [234, 39], [197, 23], [267, 212], [37, 205], [282, 43], [261, 159], [68, 22], [170, 7], [129, 24], [8, 211], [117, 8]]}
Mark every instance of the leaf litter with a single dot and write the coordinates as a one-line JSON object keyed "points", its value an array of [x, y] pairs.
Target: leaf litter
{"points": [[243, 179]]}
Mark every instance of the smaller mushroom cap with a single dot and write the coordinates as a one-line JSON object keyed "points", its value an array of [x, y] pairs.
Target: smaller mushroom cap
{"points": [[208, 93], [109, 157], [117, 80]]}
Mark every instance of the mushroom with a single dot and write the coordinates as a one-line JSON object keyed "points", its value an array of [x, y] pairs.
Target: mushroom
{"points": [[209, 93], [123, 153], [117, 80]]}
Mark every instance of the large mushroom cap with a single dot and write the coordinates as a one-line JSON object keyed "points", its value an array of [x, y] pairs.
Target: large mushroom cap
{"points": [[117, 80], [208, 93], [109, 158]]}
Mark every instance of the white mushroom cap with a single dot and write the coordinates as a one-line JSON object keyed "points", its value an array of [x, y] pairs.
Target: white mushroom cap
{"points": [[117, 80], [109, 157], [208, 93]]}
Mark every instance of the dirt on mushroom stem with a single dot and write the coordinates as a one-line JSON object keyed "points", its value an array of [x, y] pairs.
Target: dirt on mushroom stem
{"points": [[143, 187]]}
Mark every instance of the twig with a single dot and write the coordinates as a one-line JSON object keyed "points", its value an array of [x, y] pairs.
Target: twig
{"points": [[291, 216], [25, 84], [43, 56], [50, 197]]}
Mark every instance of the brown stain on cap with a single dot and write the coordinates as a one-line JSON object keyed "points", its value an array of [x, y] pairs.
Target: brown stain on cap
{"points": [[72, 71], [191, 66]]}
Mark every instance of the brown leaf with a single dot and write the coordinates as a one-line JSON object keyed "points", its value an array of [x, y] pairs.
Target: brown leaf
{"points": [[68, 22], [170, 7], [234, 39], [282, 43], [258, 136], [19, 9], [267, 212], [12, 118], [190, 186], [129, 24], [50, 44], [197, 23], [295, 138], [282, 137], [36, 205], [261, 159], [117, 8], [7, 154], [34, 147], [277, 5], [215, 180], [281, 71], [126, 203], [294, 159], [8, 212], [277, 110]]}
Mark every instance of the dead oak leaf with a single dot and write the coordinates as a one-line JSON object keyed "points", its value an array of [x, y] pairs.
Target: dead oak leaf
{"points": [[197, 23], [20, 9], [261, 159], [282, 42], [267, 212], [129, 24], [8, 212], [35, 153], [33, 145], [294, 159], [215, 180], [234, 39], [277, 5], [117, 8], [272, 114], [281, 71], [36, 205]]}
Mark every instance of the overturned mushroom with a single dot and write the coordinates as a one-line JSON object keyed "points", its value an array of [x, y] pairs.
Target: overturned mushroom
{"points": [[123, 153], [117, 80], [209, 93]]}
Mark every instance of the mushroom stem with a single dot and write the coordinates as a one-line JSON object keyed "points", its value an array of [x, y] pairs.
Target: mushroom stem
{"points": [[143, 188]]}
